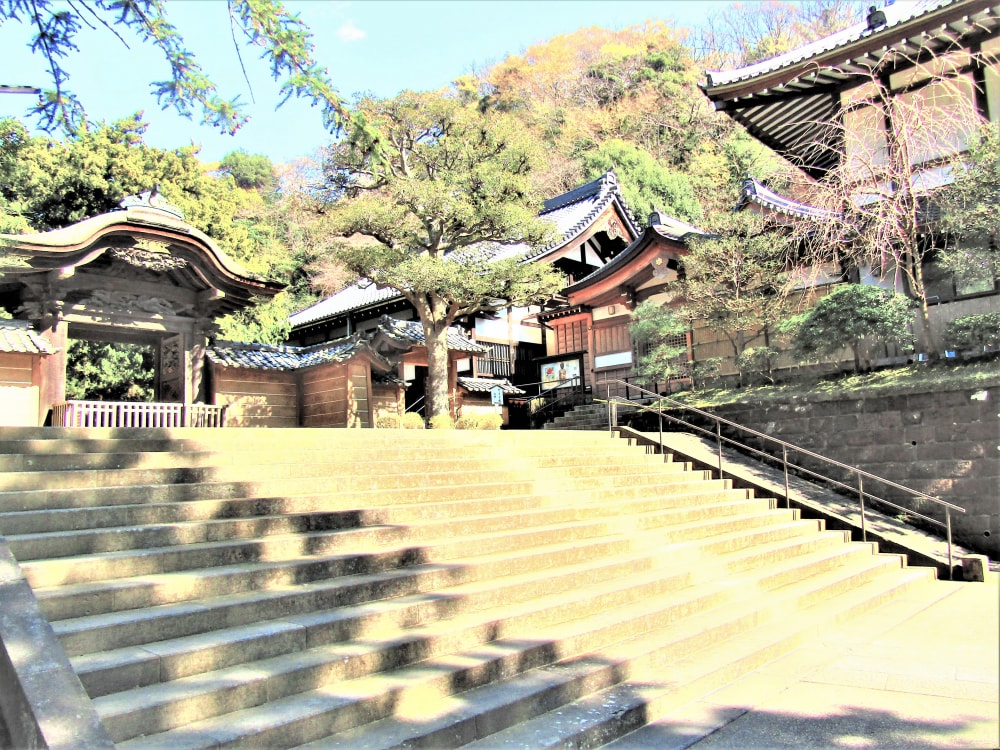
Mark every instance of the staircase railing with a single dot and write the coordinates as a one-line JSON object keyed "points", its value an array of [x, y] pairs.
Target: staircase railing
{"points": [[656, 406], [550, 396], [418, 406]]}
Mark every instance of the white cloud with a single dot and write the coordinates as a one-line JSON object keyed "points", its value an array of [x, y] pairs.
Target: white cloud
{"points": [[350, 33]]}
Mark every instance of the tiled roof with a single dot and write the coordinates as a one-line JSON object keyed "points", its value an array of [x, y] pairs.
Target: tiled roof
{"points": [[485, 385], [572, 213], [358, 295], [756, 192], [17, 337], [789, 102], [271, 357], [895, 14], [407, 333], [661, 224]]}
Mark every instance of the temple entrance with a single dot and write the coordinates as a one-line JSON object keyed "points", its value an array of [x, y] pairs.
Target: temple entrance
{"points": [[106, 371], [141, 290]]}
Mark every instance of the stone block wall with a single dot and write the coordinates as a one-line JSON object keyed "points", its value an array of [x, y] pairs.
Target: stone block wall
{"points": [[946, 444]]}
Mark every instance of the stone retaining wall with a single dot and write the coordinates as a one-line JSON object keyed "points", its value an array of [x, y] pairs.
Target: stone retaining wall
{"points": [[946, 444]]}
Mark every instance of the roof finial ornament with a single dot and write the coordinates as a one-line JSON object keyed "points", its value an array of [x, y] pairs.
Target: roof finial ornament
{"points": [[150, 199], [876, 18]]}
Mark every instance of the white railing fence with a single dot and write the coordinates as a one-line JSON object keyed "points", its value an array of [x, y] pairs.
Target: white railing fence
{"points": [[136, 414]]}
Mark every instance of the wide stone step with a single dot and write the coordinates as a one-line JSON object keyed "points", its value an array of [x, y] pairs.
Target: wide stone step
{"points": [[120, 629], [578, 701], [558, 662], [114, 671], [142, 591], [240, 484]]}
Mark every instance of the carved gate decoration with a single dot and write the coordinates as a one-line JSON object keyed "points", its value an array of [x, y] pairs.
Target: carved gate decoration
{"points": [[140, 274]]}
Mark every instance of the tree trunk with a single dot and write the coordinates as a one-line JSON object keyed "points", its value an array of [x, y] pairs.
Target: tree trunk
{"points": [[437, 370], [926, 339]]}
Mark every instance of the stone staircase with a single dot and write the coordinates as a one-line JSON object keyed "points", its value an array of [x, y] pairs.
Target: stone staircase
{"points": [[584, 417], [377, 589]]}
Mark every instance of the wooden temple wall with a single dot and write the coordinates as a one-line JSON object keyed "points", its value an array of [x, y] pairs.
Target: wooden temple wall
{"points": [[257, 398], [337, 395], [19, 389], [387, 399]]}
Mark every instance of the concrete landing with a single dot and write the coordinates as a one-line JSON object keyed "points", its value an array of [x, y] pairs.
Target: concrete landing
{"points": [[841, 511], [921, 672]]}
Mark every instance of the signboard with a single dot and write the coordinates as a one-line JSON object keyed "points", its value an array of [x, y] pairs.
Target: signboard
{"points": [[496, 395], [561, 373]]}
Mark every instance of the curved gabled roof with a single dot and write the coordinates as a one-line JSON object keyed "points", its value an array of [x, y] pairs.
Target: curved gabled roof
{"points": [[756, 192], [287, 358], [663, 227], [402, 335], [145, 235], [575, 211], [785, 101]]}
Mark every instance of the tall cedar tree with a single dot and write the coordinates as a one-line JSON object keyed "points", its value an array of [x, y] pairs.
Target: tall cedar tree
{"points": [[440, 194]]}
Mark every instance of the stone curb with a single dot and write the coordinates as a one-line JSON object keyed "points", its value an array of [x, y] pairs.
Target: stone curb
{"points": [[42, 702]]}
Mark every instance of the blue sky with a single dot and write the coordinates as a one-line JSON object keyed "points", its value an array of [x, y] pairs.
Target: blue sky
{"points": [[377, 46]]}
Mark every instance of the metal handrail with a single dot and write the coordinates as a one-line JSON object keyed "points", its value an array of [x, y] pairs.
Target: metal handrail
{"points": [[417, 406], [785, 446]]}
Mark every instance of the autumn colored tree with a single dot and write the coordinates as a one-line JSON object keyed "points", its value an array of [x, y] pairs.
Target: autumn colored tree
{"points": [[440, 196]]}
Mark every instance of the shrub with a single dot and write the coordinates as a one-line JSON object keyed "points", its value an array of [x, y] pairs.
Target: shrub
{"points": [[850, 314], [758, 360], [441, 422], [973, 331], [479, 422], [413, 421], [410, 421]]}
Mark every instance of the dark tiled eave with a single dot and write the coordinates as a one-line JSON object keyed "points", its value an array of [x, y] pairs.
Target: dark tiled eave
{"points": [[784, 102]]}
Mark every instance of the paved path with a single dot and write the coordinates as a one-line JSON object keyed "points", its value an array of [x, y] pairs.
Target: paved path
{"points": [[920, 672]]}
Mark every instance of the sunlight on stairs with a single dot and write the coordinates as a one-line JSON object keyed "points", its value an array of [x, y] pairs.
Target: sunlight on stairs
{"points": [[377, 589]]}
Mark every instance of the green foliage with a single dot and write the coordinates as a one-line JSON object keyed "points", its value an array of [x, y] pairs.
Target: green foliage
{"points": [[646, 184], [440, 195], [409, 421], [479, 422], [656, 328], [441, 422], [970, 209], [45, 184], [973, 331], [285, 41], [733, 279], [758, 360], [849, 315], [413, 421], [109, 372], [250, 171]]}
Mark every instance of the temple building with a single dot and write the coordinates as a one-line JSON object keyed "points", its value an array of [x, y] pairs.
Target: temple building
{"points": [[843, 102]]}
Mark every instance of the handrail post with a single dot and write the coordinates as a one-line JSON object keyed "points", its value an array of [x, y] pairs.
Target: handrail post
{"points": [[718, 441], [861, 495], [784, 464], [611, 429], [947, 520], [659, 414]]}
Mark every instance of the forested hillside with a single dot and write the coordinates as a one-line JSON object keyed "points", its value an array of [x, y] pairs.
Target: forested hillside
{"points": [[595, 99]]}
